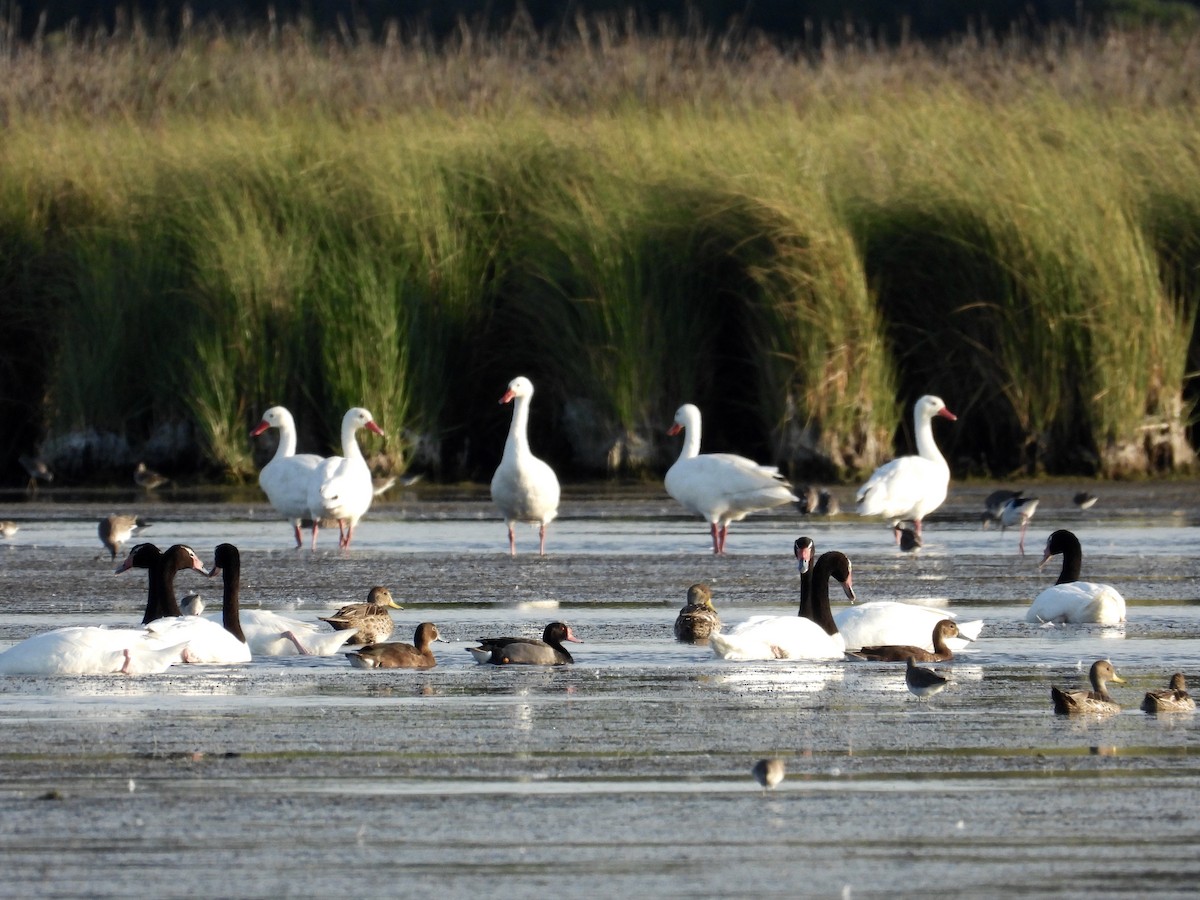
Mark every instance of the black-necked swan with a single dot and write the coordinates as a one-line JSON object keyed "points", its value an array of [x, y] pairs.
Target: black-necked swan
{"points": [[910, 487], [793, 637], [340, 487], [524, 487], [286, 477], [720, 487], [1069, 600]]}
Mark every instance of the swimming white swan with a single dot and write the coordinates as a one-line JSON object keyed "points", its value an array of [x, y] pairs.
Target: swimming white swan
{"points": [[793, 637], [910, 487], [524, 487], [720, 487], [90, 650], [285, 478], [883, 622], [205, 641], [1069, 600], [341, 487], [269, 633]]}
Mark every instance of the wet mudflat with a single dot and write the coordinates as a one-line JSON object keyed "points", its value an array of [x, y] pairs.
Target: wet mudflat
{"points": [[627, 774]]}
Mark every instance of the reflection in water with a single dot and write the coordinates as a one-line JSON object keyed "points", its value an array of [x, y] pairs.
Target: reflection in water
{"points": [[784, 676]]}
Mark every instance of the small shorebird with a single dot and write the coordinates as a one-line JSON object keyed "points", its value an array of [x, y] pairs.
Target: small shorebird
{"points": [[148, 478], [38, 471], [116, 530], [1084, 500], [922, 682], [768, 772]]}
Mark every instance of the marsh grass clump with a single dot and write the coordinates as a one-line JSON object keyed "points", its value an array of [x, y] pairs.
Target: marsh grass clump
{"points": [[800, 240]]}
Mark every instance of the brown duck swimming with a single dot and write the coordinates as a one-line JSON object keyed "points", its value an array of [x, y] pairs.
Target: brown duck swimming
{"points": [[372, 619], [1096, 701], [944, 629], [549, 651], [698, 619], [417, 655], [1171, 699]]}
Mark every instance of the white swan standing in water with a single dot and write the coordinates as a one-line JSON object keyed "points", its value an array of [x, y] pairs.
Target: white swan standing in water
{"points": [[340, 487], [793, 637], [1069, 600], [524, 487], [720, 487], [285, 478], [910, 487]]}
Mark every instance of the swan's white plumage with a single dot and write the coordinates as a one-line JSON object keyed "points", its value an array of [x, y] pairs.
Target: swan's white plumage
{"points": [[1078, 603], [889, 622], [285, 479], [720, 487], [910, 487], [89, 650], [777, 637], [207, 641], [524, 487], [266, 633], [340, 487]]}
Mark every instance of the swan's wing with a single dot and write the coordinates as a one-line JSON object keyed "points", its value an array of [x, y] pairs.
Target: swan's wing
{"points": [[898, 487]]}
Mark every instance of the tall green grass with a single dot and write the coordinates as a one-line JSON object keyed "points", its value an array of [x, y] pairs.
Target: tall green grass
{"points": [[800, 247]]}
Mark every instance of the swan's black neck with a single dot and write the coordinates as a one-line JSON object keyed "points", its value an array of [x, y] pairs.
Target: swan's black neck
{"points": [[821, 573], [161, 602], [231, 575], [1072, 560]]}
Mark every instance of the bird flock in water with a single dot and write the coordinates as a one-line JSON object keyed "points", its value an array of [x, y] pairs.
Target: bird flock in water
{"points": [[722, 488]]}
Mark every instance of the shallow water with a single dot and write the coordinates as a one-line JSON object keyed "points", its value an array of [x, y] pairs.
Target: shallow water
{"points": [[628, 773]]}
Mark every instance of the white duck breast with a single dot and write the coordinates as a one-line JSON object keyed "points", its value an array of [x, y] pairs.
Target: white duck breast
{"points": [[89, 650], [286, 477], [524, 487], [889, 622], [720, 487], [341, 487], [911, 487]]}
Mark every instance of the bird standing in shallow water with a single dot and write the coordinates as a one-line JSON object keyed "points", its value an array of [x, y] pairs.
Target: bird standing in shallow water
{"points": [[524, 487], [768, 772], [37, 470], [721, 487], [910, 487], [923, 683], [148, 478]]}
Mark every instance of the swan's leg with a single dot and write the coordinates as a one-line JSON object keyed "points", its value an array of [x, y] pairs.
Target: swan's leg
{"points": [[299, 539], [128, 660], [512, 541], [300, 648], [1021, 542], [315, 528], [715, 538], [917, 526], [542, 539], [344, 540], [722, 531]]}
